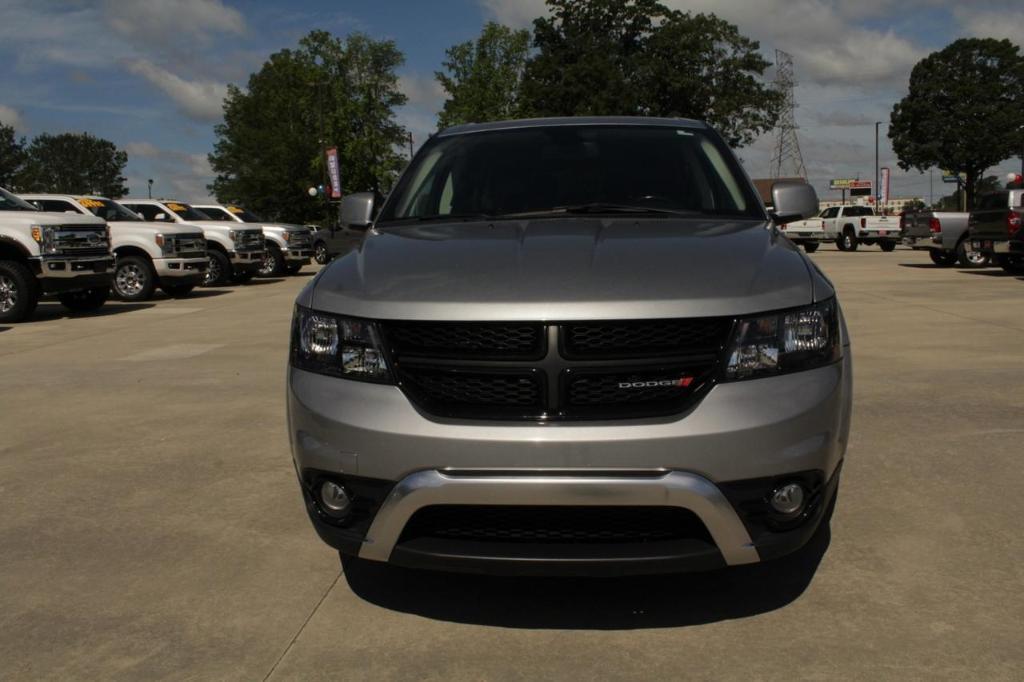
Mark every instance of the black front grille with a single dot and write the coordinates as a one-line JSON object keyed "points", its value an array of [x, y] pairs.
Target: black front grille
{"points": [[479, 340], [534, 371], [644, 338], [554, 525]]}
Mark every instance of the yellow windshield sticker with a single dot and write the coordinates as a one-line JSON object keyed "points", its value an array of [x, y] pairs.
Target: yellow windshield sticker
{"points": [[89, 203], [235, 209], [177, 208]]}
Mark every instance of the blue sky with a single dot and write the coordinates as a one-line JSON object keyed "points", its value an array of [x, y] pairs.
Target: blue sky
{"points": [[150, 74]]}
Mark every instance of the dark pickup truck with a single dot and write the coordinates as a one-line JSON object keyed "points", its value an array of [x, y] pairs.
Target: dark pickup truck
{"points": [[995, 228]]}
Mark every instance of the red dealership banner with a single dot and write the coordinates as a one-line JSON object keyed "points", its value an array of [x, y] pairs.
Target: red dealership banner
{"points": [[334, 171]]}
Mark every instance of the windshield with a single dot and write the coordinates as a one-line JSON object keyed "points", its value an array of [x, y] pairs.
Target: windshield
{"points": [[245, 216], [111, 211], [656, 170], [186, 212], [217, 213], [9, 202]]}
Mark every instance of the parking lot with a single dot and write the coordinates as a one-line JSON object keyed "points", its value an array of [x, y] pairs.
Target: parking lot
{"points": [[151, 525]]}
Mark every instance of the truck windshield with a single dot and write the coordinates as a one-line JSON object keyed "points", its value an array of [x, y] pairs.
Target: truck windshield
{"points": [[186, 212], [217, 213], [111, 211], [243, 215], [9, 202], [537, 171]]}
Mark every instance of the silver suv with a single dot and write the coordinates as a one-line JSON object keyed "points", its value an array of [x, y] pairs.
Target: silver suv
{"points": [[571, 345]]}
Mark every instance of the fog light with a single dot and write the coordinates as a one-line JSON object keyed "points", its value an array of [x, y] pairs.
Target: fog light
{"points": [[334, 499], [788, 499]]}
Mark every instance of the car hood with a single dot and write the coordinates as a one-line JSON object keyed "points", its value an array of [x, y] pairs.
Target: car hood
{"points": [[565, 269], [49, 218]]}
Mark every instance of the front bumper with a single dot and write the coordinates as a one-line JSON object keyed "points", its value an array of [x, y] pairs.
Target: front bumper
{"points": [[246, 261], [760, 429], [181, 269], [58, 274], [294, 255]]}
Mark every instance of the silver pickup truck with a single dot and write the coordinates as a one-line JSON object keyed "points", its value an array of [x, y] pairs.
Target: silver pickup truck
{"points": [[572, 345], [943, 234]]}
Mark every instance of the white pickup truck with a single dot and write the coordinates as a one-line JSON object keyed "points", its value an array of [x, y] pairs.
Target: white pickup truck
{"points": [[289, 247], [234, 252], [806, 233], [48, 253], [849, 226], [149, 254]]}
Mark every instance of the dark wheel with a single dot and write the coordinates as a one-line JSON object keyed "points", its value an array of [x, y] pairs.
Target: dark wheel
{"points": [[1012, 264], [293, 268], [320, 253], [219, 271], [19, 291], [84, 301], [968, 258], [273, 265], [847, 241], [242, 277], [944, 259], [134, 279], [811, 247], [887, 246], [177, 290]]}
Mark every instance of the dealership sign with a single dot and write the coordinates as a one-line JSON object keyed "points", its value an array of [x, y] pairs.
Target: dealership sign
{"points": [[951, 177], [885, 185], [334, 171], [850, 183]]}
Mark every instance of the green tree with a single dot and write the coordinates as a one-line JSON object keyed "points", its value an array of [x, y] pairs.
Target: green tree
{"points": [[325, 92], [963, 110], [482, 77], [12, 155], [73, 163], [638, 57], [954, 201]]}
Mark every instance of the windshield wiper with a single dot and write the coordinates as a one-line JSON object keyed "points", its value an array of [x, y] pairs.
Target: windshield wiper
{"points": [[600, 207]]}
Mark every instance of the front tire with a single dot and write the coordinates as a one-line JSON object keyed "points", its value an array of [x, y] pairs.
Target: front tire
{"points": [[134, 279], [888, 247], [320, 253], [811, 247], [944, 259], [273, 264], [84, 301], [177, 290], [219, 271], [19, 292]]}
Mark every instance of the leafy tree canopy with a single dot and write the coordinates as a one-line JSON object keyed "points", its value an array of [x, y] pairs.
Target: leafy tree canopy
{"points": [[638, 57], [326, 92], [12, 156], [482, 77], [73, 163], [963, 110]]}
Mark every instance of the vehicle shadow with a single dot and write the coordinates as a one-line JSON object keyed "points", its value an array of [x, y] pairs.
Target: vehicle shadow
{"points": [[633, 602], [55, 311], [988, 273], [3, 329], [195, 293], [262, 280], [923, 266]]}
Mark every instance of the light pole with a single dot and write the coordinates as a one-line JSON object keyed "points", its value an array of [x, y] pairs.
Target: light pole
{"points": [[878, 193], [150, 182]]}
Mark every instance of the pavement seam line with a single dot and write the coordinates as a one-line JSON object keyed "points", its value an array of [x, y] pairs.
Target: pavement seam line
{"points": [[303, 626]]}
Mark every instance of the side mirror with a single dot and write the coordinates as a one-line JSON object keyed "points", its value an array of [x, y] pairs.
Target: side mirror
{"points": [[357, 209], [793, 201]]}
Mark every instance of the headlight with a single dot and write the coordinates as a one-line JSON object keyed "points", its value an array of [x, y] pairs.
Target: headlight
{"points": [[338, 346], [166, 244], [788, 341], [45, 237], [286, 235], [234, 235]]}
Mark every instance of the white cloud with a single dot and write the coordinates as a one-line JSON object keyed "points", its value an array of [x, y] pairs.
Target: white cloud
{"points": [[163, 21], [1004, 23], [515, 13], [175, 174], [143, 149], [422, 90], [10, 116], [201, 99]]}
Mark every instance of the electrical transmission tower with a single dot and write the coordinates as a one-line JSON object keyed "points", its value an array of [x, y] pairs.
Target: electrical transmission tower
{"points": [[787, 162]]}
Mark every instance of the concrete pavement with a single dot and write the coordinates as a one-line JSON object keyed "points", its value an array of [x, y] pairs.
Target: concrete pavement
{"points": [[151, 526]]}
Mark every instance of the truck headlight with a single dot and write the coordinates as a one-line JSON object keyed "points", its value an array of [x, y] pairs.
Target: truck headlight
{"points": [[45, 236], [338, 346], [166, 244], [788, 341]]}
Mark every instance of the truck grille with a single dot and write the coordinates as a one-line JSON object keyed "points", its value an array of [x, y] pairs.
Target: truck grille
{"points": [[250, 240], [554, 524], [534, 371], [299, 240], [189, 246], [81, 240]]}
